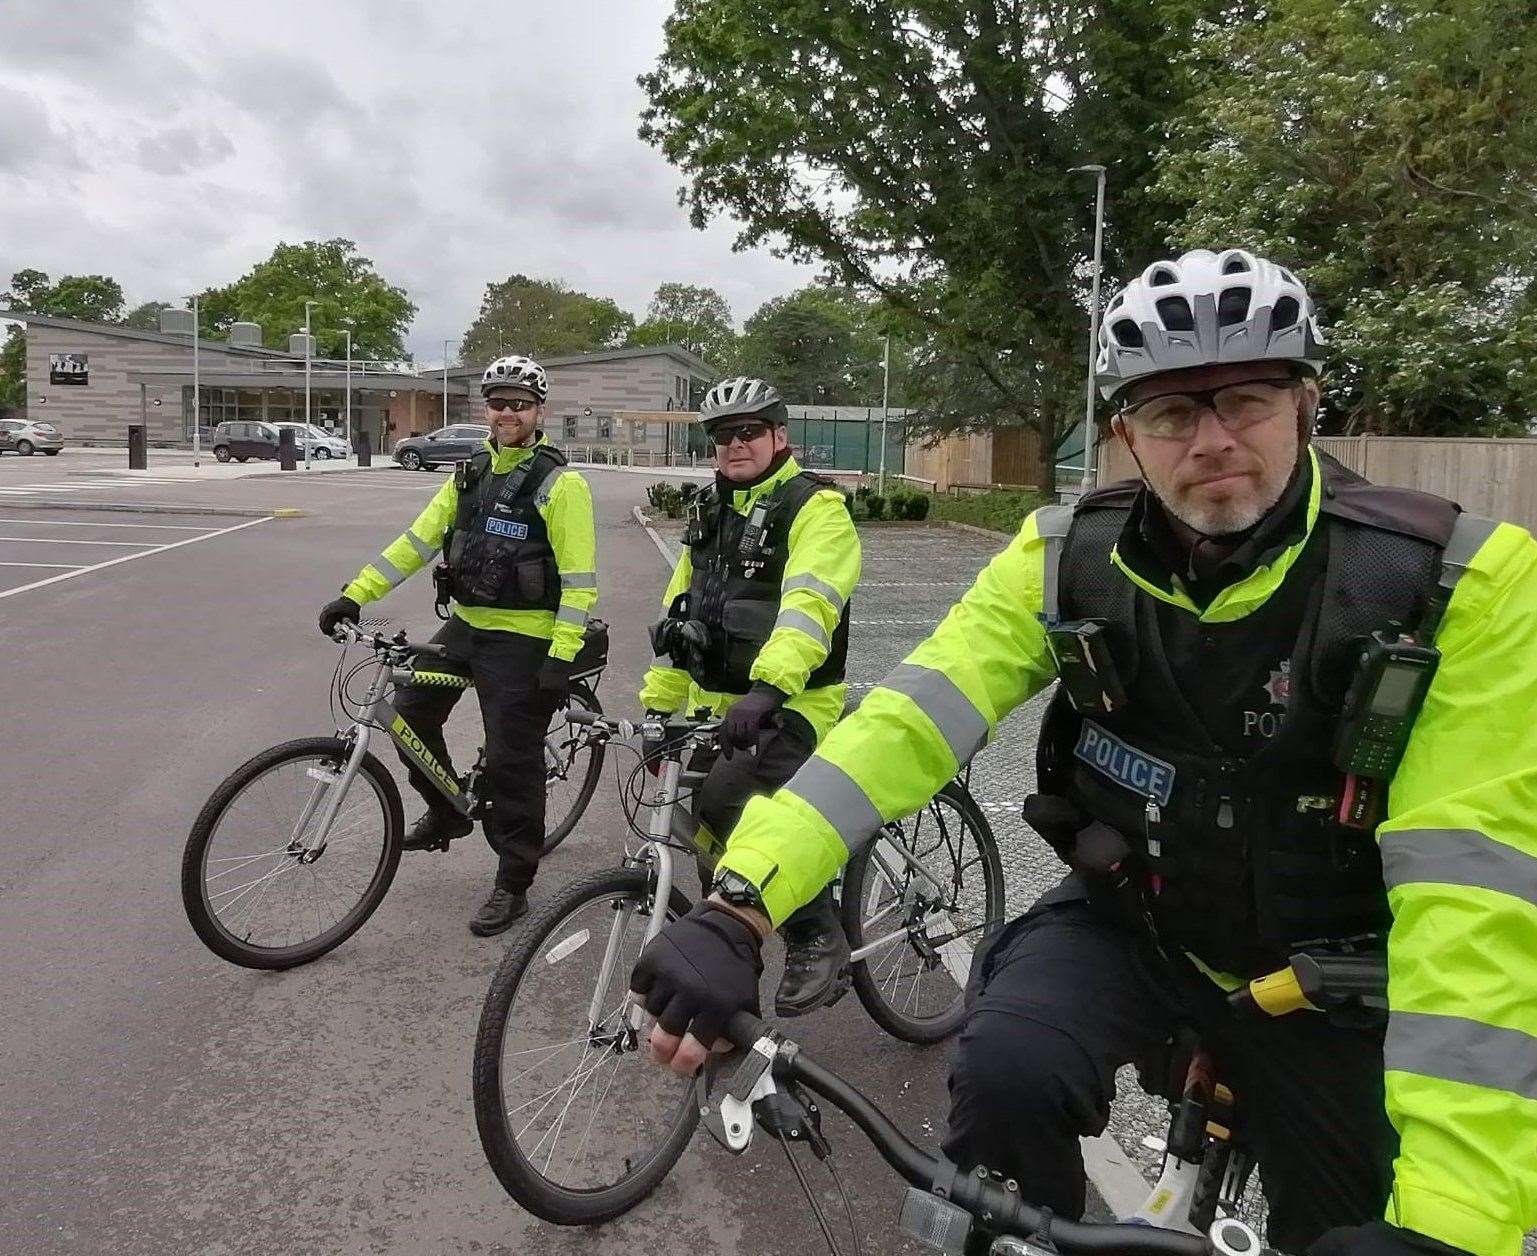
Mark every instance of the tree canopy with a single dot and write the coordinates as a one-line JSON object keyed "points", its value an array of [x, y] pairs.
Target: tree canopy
{"points": [[349, 294], [542, 318], [92, 298], [697, 318]]}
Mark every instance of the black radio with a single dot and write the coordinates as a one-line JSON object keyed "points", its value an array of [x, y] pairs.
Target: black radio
{"points": [[1082, 650], [1391, 681]]}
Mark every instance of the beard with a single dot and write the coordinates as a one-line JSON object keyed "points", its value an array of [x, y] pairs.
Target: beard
{"points": [[1226, 518]]}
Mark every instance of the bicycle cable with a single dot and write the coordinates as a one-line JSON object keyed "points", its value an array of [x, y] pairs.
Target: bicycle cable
{"points": [[816, 1208]]}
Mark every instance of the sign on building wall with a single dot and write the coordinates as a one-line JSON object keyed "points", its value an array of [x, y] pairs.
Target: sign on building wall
{"points": [[69, 368]]}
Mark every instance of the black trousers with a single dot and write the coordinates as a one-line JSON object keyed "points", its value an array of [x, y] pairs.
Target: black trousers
{"points": [[729, 783], [1062, 999], [516, 714]]}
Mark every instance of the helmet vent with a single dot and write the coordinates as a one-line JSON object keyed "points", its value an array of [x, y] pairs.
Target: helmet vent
{"points": [[1289, 277], [1285, 313], [1176, 315], [1233, 306], [1128, 334], [1116, 303], [1162, 278], [1236, 264]]}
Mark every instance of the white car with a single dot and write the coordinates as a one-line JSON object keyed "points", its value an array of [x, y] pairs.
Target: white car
{"points": [[322, 444]]}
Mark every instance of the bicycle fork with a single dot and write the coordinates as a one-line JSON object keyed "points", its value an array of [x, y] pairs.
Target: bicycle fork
{"points": [[332, 790]]}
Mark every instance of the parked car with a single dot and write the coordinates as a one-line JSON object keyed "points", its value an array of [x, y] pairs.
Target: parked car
{"points": [[244, 441], [447, 444], [323, 444], [26, 436]]}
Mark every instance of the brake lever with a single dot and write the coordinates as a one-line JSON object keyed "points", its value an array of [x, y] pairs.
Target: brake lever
{"points": [[731, 1124]]}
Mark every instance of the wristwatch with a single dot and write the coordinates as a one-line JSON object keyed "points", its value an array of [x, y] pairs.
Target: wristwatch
{"points": [[737, 890]]}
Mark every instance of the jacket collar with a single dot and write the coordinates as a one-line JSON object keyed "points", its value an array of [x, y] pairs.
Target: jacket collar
{"points": [[743, 497], [505, 458]]}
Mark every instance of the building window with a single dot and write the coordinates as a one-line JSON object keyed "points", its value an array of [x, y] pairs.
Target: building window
{"points": [[605, 428], [568, 426], [679, 391]]}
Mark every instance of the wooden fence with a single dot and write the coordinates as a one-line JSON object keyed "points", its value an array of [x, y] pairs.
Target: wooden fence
{"points": [[1002, 457], [1488, 476]]}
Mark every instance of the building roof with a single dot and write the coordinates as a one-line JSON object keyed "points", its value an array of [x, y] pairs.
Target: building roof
{"points": [[133, 333], [677, 353]]}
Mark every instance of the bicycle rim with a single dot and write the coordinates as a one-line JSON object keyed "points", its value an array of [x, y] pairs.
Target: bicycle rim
{"points": [[260, 888], [577, 1122], [925, 934], [573, 765]]}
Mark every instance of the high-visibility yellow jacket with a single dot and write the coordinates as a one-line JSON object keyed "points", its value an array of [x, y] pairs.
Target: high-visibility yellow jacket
{"points": [[1459, 848], [564, 503], [821, 570]]}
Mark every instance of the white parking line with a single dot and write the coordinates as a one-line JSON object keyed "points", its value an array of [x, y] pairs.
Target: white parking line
{"points": [[60, 540], [73, 523], [66, 566], [128, 558]]}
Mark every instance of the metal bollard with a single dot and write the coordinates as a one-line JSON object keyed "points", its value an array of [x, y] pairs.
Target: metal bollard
{"points": [[138, 447], [364, 449], [286, 448]]}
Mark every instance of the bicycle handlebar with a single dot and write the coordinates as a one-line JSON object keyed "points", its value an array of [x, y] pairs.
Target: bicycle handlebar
{"points": [[998, 1207]]}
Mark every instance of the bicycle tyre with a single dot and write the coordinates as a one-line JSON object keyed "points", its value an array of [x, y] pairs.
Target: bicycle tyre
{"points": [[581, 696], [521, 1180], [200, 913], [898, 1023]]}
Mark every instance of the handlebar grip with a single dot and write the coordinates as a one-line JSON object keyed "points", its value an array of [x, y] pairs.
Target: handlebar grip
{"points": [[427, 647], [744, 1029], [580, 715]]}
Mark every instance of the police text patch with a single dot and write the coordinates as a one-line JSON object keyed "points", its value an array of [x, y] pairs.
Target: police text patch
{"points": [[517, 531], [1137, 770]]}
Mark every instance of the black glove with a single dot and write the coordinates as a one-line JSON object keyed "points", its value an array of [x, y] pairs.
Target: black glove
{"points": [[744, 721], [699, 972], [333, 613], [555, 679], [1378, 1238]]}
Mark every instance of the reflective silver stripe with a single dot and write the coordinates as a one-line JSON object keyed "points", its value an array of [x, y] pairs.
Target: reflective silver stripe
{"points": [[1458, 1050], [963, 727], [578, 580], [838, 799], [817, 586], [423, 551], [571, 615], [388, 570], [1468, 536], [1052, 524], [1458, 857], [803, 622]]}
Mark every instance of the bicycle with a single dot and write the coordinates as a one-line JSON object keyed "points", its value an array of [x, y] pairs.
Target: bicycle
{"points": [[554, 1035], [298, 846]]}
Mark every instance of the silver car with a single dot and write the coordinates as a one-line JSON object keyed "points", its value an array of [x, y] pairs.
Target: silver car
{"points": [[321, 442], [28, 437]]}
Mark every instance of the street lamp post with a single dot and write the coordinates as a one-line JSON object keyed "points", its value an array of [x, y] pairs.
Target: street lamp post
{"points": [[446, 343], [348, 403], [1090, 453], [197, 426], [308, 354], [885, 409]]}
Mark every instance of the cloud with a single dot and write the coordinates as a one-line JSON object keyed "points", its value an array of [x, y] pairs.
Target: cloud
{"points": [[181, 150], [27, 136]]}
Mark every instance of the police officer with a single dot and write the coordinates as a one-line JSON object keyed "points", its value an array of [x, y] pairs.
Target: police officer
{"points": [[757, 628], [1244, 577], [517, 527]]}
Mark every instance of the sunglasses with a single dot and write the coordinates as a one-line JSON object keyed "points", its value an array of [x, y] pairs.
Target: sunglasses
{"points": [[1177, 416], [744, 432], [516, 404]]}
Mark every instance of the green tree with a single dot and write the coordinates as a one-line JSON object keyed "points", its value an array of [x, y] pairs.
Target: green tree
{"points": [[13, 370], [91, 298], [146, 317], [818, 346], [542, 318], [349, 294], [1388, 151], [696, 318], [919, 149]]}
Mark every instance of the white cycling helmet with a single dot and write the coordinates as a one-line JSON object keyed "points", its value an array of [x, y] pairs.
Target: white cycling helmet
{"points": [[1204, 308], [740, 395], [516, 372]]}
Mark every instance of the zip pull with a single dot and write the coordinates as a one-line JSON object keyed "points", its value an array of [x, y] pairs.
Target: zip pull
{"points": [[1224, 812], [1151, 815]]}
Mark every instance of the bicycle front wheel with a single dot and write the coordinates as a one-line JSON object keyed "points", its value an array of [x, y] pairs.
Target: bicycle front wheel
{"points": [[573, 764], [918, 899], [577, 1123], [262, 887]]}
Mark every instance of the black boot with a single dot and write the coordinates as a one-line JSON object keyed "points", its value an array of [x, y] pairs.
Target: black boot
{"points": [[816, 959], [436, 829], [498, 912]]}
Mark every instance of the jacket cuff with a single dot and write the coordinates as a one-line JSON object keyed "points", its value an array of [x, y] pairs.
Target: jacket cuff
{"points": [[1451, 1221]]}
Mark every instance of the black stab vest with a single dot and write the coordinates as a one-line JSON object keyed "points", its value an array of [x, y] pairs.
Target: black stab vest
{"points": [[1244, 856], [735, 589], [500, 553]]}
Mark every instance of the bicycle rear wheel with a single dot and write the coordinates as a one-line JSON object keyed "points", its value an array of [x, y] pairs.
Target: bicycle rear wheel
{"points": [[573, 765], [577, 1123], [257, 891], [922, 927]]}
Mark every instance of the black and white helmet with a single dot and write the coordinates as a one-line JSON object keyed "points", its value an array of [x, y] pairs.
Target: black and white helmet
{"points": [[1202, 309], [516, 372], [740, 395]]}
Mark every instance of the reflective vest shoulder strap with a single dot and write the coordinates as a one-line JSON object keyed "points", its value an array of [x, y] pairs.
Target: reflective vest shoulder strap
{"points": [[1052, 524], [1468, 536]]}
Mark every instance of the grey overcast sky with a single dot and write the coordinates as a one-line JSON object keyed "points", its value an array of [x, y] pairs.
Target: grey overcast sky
{"points": [[171, 145]]}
